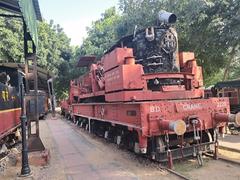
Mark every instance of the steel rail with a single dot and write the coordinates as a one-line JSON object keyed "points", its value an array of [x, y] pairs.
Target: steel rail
{"points": [[221, 158], [178, 174]]}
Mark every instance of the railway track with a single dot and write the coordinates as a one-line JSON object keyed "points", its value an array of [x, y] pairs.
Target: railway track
{"points": [[220, 158], [229, 160], [178, 174], [225, 159], [227, 151], [164, 168], [8, 154], [11, 141]]}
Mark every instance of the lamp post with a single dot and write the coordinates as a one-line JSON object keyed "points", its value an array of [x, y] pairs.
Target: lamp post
{"points": [[25, 171]]}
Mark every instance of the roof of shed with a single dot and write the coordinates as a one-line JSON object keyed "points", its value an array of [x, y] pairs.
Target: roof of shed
{"points": [[41, 72], [13, 6], [228, 84]]}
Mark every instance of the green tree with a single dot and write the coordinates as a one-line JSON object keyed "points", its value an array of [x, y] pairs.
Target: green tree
{"points": [[11, 46], [209, 28], [101, 35], [54, 46], [53, 53], [56, 55]]}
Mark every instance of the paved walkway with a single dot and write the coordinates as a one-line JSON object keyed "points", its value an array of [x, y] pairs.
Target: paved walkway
{"points": [[75, 151], [83, 157]]}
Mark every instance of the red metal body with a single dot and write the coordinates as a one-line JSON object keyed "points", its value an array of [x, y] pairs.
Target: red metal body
{"points": [[126, 81], [10, 119], [116, 90], [153, 104], [231, 93], [146, 117], [65, 107]]}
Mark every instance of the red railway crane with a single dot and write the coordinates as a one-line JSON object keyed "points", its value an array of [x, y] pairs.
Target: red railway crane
{"points": [[145, 95]]}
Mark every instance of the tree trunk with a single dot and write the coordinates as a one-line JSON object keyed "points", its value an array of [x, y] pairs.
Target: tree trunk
{"points": [[231, 57]]}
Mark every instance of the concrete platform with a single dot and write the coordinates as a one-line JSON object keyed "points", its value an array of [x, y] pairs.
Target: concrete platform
{"points": [[76, 155]]}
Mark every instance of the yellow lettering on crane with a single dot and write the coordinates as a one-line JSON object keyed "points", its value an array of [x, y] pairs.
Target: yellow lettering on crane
{"points": [[5, 95]]}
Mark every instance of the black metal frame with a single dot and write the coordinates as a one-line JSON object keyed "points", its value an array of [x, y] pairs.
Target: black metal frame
{"points": [[25, 171], [10, 7], [33, 138], [34, 141]]}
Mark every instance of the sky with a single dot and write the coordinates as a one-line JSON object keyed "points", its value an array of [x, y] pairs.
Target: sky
{"points": [[74, 15]]}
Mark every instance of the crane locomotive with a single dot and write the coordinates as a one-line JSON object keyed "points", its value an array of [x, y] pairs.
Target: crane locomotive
{"points": [[146, 96]]}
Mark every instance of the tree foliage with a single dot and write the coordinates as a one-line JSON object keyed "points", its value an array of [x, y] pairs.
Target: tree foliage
{"points": [[11, 49], [101, 35], [54, 52], [54, 46], [209, 28]]}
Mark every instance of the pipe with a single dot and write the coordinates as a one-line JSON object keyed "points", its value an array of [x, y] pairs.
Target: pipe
{"points": [[52, 95], [167, 17], [235, 118], [223, 117], [25, 171], [179, 126]]}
